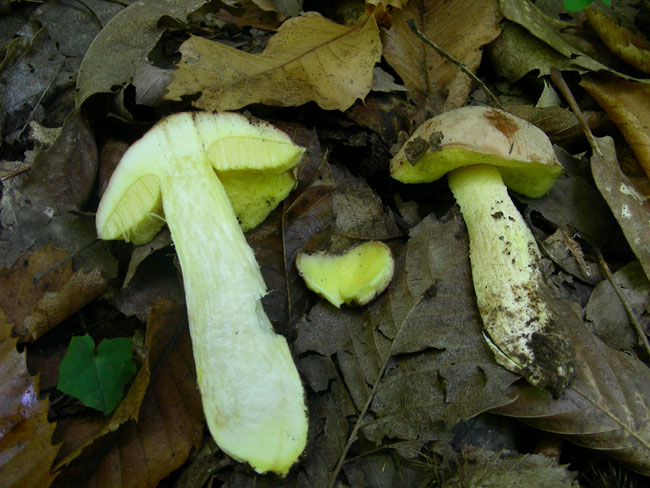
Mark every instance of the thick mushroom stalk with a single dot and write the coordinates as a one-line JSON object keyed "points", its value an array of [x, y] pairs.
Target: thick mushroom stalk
{"points": [[251, 391], [508, 282], [483, 151]]}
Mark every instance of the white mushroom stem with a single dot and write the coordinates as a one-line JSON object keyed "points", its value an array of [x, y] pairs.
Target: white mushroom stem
{"points": [[518, 315], [252, 394]]}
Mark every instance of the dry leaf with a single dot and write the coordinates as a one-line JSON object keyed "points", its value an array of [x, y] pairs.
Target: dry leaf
{"points": [[309, 59], [628, 104], [607, 407], [628, 202], [621, 41], [415, 362], [460, 27], [529, 16], [484, 469], [63, 176], [127, 39], [27, 452], [607, 315], [169, 424], [41, 290]]}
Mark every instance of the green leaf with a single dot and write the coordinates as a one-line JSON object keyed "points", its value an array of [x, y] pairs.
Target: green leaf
{"points": [[97, 379], [575, 5]]}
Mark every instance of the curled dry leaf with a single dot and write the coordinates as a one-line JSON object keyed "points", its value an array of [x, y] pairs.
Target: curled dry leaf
{"points": [[41, 290], [127, 39], [309, 59], [169, 419], [621, 41], [27, 452], [529, 16], [628, 104], [424, 72], [607, 407], [628, 202]]}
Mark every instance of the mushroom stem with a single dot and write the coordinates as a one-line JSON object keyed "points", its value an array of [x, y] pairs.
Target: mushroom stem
{"points": [[252, 394], [519, 315]]}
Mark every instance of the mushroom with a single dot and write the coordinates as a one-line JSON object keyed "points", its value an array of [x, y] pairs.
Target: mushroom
{"points": [[252, 395], [484, 150], [355, 276]]}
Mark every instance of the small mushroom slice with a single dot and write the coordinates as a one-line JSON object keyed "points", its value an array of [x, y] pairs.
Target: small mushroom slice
{"points": [[484, 150], [354, 277], [252, 395]]}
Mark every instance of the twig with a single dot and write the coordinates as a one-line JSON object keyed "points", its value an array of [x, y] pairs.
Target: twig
{"points": [[357, 425], [558, 80], [635, 323], [454, 61], [40, 99], [42, 274]]}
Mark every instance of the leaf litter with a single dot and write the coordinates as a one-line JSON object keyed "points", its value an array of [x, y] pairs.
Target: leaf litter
{"points": [[386, 383]]}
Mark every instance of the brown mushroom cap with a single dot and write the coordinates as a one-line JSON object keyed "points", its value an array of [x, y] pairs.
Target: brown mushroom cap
{"points": [[479, 135]]}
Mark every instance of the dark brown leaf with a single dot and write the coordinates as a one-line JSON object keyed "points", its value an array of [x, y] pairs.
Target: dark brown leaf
{"points": [[415, 362], [63, 176], [607, 407]]}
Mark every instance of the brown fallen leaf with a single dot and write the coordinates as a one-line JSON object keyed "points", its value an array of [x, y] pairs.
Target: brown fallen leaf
{"points": [[628, 200], [460, 27], [127, 39], [551, 32], [41, 290], [606, 312], [309, 59], [628, 105], [415, 362], [621, 41], [484, 468], [27, 452], [606, 408], [169, 422], [62, 177], [382, 10]]}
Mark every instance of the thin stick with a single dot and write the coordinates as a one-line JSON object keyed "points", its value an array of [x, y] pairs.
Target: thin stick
{"points": [[454, 61], [558, 80], [635, 323], [42, 274]]}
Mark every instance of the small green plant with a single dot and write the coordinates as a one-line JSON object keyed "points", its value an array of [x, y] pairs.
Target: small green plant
{"points": [[576, 5], [97, 378]]}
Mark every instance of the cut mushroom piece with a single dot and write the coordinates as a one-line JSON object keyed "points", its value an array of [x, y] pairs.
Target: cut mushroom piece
{"points": [[484, 150], [354, 277], [252, 395]]}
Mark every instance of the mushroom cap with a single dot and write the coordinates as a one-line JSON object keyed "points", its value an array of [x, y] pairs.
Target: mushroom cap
{"points": [[479, 135], [253, 159]]}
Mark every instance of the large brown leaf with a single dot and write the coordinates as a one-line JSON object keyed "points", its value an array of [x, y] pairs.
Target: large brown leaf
{"points": [[415, 362], [607, 407], [628, 104], [127, 39], [627, 198], [309, 59], [460, 27]]}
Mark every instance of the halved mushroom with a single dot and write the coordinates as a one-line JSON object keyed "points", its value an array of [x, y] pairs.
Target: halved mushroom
{"points": [[252, 394], [482, 148]]}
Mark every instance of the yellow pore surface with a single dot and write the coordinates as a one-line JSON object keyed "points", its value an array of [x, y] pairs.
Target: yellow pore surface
{"points": [[354, 277]]}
